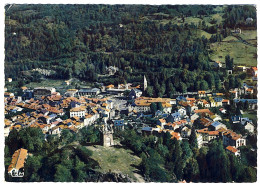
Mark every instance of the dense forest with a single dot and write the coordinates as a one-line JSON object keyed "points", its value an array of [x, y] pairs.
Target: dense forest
{"points": [[167, 160], [163, 159], [54, 159], [79, 41]]}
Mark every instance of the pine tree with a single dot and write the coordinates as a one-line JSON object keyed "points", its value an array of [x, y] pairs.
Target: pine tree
{"points": [[193, 139]]}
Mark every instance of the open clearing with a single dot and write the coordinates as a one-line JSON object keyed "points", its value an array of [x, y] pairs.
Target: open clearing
{"points": [[46, 83], [243, 54], [117, 160], [250, 115], [205, 34]]}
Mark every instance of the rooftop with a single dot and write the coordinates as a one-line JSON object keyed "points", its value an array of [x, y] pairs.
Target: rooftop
{"points": [[18, 159], [231, 149]]}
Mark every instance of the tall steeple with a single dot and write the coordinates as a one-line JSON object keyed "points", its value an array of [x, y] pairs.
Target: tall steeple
{"points": [[145, 83]]}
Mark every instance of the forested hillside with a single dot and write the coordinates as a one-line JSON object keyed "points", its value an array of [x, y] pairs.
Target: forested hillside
{"points": [[162, 42]]}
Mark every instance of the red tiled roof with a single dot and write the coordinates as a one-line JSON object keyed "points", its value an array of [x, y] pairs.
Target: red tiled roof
{"points": [[225, 101], [213, 133], [231, 149], [232, 134], [18, 159], [162, 120]]}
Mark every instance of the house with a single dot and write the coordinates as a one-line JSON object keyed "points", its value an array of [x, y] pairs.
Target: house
{"points": [[134, 93], [78, 111], [9, 79], [207, 135], [247, 124], [111, 86], [175, 135], [71, 93], [8, 94], [45, 119], [234, 93], [181, 98], [203, 112], [202, 93], [67, 82], [223, 111], [216, 102], [185, 132], [17, 164], [173, 117], [141, 106], [89, 92], [6, 131], [111, 70], [193, 117], [182, 111], [225, 102], [191, 108], [27, 94], [233, 150], [237, 31], [203, 103], [241, 68], [43, 91], [161, 122], [233, 139], [216, 117], [171, 126], [236, 119], [55, 131], [249, 91], [74, 104], [218, 64], [110, 104], [252, 103], [119, 124], [147, 130], [45, 129], [190, 100], [158, 113], [253, 71], [167, 107], [216, 125], [249, 20]]}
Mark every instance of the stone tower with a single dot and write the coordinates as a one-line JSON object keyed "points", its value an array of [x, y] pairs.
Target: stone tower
{"points": [[107, 136], [145, 83]]}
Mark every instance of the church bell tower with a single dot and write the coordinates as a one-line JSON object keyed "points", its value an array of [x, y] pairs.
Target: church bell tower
{"points": [[145, 83]]}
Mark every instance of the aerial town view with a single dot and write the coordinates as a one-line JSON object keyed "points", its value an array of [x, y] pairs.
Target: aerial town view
{"points": [[130, 93]]}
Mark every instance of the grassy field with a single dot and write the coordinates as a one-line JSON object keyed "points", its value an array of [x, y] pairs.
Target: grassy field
{"points": [[250, 115], [217, 17], [243, 54], [188, 20], [230, 39], [205, 34], [46, 83], [248, 34], [117, 160]]}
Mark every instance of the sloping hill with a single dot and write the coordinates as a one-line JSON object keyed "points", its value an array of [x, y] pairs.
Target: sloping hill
{"points": [[117, 160]]}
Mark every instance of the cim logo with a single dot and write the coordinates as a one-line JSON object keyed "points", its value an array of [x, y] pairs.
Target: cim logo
{"points": [[16, 173]]}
